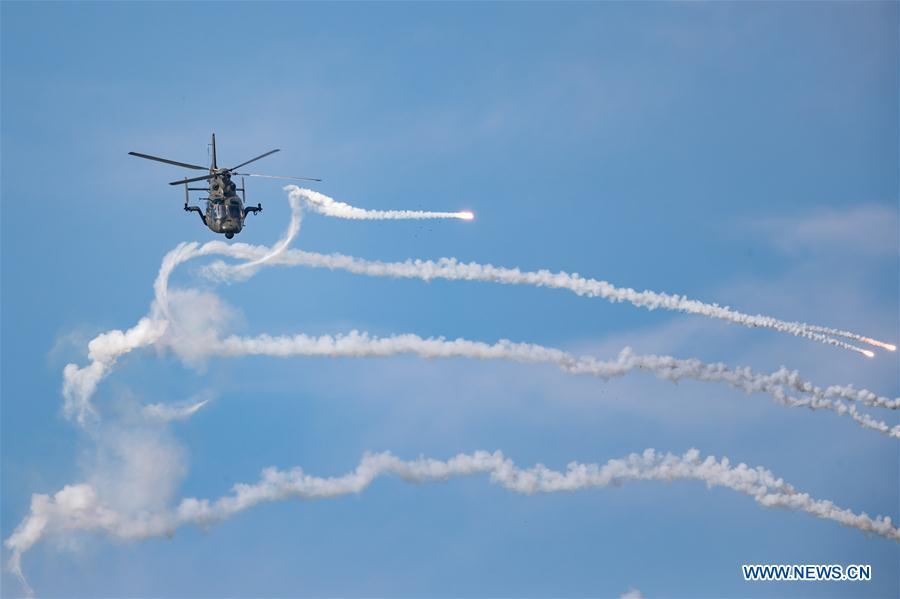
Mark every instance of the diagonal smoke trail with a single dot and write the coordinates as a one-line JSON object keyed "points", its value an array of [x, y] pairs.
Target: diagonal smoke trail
{"points": [[853, 336], [356, 344], [323, 204], [451, 269], [79, 507], [647, 299]]}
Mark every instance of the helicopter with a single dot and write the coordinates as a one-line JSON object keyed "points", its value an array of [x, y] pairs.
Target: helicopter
{"points": [[225, 210]]}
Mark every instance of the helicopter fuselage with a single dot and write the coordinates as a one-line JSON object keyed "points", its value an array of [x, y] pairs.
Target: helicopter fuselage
{"points": [[224, 209], [225, 212]]}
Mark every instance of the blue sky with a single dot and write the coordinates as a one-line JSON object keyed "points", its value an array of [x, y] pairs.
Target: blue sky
{"points": [[739, 153]]}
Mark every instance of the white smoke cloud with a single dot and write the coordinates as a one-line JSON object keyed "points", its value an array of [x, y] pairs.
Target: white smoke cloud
{"points": [[132, 472], [197, 320], [135, 468], [631, 593]]}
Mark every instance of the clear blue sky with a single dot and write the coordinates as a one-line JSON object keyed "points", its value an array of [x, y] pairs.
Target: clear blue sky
{"points": [[739, 153]]}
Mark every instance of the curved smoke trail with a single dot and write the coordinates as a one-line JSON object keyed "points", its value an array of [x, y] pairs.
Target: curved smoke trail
{"points": [[451, 269], [79, 384], [79, 508]]}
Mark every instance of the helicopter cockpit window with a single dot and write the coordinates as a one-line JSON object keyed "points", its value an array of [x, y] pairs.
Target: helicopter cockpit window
{"points": [[218, 211], [234, 211]]}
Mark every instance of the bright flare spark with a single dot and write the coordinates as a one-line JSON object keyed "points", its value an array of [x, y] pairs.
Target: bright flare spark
{"points": [[868, 354], [830, 332], [881, 344], [466, 215]]}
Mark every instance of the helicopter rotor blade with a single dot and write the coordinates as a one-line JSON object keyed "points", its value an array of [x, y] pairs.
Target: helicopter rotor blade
{"points": [[253, 160], [276, 177], [167, 161], [182, 181]]}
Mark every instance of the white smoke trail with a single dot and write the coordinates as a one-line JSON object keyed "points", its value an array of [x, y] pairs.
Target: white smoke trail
{"points": [[854, 336], [451, 269], [261, 255], [321, 203], [80, 508], [195, 345], [356, 344], [80, 383]]}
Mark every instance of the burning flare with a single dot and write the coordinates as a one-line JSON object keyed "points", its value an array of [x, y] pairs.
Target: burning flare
{"points": [[881, 344]]}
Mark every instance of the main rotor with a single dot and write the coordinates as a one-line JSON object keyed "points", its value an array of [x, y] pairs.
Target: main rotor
{"points": [[214, 170]]}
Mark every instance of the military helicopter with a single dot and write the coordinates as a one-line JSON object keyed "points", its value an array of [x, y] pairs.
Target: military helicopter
{"points": [[225, 210]]}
